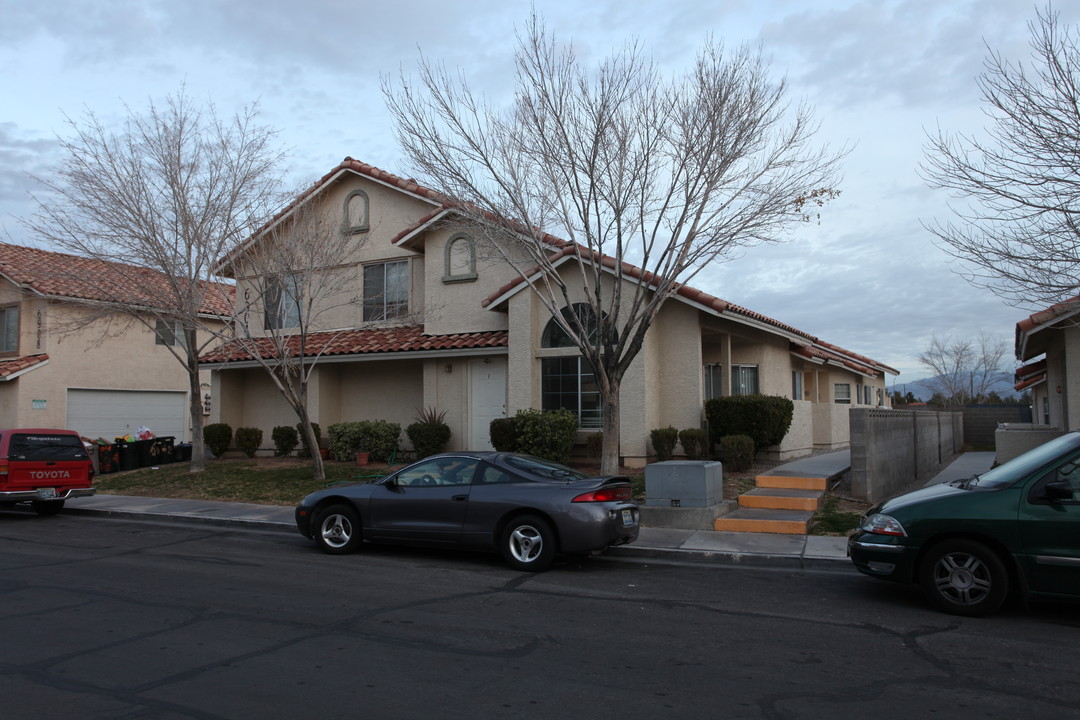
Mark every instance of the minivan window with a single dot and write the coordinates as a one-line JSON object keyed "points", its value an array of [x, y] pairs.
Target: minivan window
{"points": [[46, 447], [1023, 465]]}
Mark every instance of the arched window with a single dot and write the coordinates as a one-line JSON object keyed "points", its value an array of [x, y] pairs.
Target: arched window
{"points": [[567, 382], [356, 212], [460, 259]]}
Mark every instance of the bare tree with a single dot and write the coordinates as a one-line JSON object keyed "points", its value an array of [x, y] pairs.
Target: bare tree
{"points": [[1016, 230], [964, 371], [293, 288], [648, 179], [167, 196]]}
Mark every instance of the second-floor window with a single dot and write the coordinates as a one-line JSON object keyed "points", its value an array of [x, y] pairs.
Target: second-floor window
{"points": [[168, 333], [9, 329], [282, 300], [386, 290]]}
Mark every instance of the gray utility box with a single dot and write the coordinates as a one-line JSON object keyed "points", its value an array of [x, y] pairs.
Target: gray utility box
{"points": [[684, 483]]}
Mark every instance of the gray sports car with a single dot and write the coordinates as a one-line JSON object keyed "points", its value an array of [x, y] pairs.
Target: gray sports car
{"points": [[527, 508]]}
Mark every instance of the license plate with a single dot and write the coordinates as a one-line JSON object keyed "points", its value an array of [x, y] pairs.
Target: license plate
{"points": [[46, 493], [628, 517]]}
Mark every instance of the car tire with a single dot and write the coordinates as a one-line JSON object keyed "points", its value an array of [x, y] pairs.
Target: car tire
{"points": [[46, 508], [528, 543], [964, 577], [337, 529]]}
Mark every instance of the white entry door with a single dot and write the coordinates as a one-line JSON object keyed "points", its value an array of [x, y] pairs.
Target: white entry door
{"points": [[487, 398]]}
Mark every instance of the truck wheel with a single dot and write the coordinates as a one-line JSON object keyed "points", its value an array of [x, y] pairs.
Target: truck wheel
{"points": [[47, 507]]}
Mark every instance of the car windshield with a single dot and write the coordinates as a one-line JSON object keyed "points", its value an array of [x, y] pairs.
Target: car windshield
{"points": [[47, 447], [1023, 465], [538, 467]]}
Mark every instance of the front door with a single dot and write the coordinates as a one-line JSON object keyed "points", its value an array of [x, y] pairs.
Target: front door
{"points": [[487, 399]]}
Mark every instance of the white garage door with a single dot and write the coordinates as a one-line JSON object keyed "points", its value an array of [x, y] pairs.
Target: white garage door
{"points": [[114, 413]]}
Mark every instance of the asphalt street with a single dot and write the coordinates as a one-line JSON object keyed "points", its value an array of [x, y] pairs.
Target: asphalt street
{"points": [[112, 618]]}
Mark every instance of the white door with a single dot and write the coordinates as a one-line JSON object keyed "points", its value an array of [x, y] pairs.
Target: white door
{"points": [[487, 399], [114, 413]]}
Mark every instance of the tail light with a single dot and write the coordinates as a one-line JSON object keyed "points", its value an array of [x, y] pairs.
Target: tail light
{"points": [[3, 469], [605, 494]]}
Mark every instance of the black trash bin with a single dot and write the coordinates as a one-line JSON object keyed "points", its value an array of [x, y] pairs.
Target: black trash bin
{"points": [[161, 450], [108, 458], [127, 455], [182, 452]]}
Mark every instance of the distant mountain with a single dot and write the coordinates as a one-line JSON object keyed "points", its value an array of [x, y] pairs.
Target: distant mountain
{"points": [[921, 388]]}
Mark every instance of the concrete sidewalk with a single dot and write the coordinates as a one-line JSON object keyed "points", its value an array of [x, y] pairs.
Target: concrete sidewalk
{"points": [[795, 551]]}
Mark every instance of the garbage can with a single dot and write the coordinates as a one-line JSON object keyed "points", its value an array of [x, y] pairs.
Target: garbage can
{"points": [[161, 450], [127, 455], [182, 452], [108, 458]]}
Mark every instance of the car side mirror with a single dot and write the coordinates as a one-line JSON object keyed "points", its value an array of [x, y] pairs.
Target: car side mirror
{"points": [[1058, 490]]}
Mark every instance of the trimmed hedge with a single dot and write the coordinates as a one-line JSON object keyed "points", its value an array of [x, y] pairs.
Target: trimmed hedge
{"points": [[218, 437], [548, 434], [285, 440], [503, 433], [428, 438], [695, 443], [737, 452], [377, 437], [664, 441], [765, 418], [249, 439]]}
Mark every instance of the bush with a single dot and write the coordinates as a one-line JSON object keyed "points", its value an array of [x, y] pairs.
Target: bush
{"points": [[285, 440], [548, 434], [737, 452], [249, 439], [594, 444], [503, 433], [218, 437], [664, 441], [377, 437], [306, 452], [765, 418], [428, 438], [695, 442]]}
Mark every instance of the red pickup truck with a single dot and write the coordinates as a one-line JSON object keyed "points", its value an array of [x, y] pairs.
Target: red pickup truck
{"points": [[44, 468]]}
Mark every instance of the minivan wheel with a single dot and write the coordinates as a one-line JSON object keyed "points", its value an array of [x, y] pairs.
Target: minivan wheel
{"points": [[337, 530], [964, 577], [47, 507], [528, 543]]}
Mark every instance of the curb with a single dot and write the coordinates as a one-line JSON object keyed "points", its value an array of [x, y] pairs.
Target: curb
{"points": [[230, 523]]}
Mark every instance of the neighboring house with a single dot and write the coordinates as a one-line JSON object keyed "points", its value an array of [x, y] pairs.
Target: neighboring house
{"points": [[105, 379], [1048, 342], [443, 326]]}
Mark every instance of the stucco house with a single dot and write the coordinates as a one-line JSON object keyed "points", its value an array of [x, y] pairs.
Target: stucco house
{"points": [[1048, 343], [104, 379], [442, 326]]}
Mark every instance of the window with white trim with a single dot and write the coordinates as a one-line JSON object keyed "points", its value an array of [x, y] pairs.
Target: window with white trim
{"points": [[282, 302], [842, 393], [568, 383], [744, 380], [712, 380], [166, 333], [796, 385], [386, 290]]}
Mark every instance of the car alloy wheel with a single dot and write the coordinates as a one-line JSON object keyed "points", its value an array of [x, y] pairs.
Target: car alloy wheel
{"points": [[528, 544], [964, 577], [337, 530]]}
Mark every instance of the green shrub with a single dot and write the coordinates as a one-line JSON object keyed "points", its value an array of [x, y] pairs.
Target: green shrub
{"points": [[765, 418], [218, 437], [249, 439], [428, 438], [377, 437], [306, 452], [503, 433], [737, 452], [695, 442], [664, 441], [594, 444], [285, 440], [548, 434]]}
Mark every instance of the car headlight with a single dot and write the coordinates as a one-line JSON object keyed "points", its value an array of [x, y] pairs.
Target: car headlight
{"points": [[879, 524]]}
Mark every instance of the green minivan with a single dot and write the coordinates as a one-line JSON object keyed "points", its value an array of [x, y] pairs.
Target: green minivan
{"points": [[969, 543]]}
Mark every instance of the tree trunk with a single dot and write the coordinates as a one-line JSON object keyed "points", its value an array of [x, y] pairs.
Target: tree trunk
{"points": [[609, 456], [318, 469], [198, 454]]}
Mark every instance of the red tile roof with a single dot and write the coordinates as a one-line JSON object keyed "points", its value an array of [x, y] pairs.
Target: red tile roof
{"points": [[372, 341], [17, 366], [60, 275], [1030, 374]]}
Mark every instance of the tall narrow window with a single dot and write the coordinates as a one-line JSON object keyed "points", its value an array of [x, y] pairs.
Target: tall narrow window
{"points": [[386, 290], [744, 380], [712, 380], [282, 302], [356, 212], [9, 329], [796, 385]]}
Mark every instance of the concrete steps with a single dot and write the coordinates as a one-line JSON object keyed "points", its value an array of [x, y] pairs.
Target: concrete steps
{"points": [[779, 504]]}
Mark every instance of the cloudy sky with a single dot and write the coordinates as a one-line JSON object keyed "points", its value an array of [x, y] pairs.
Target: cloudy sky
{"points": [[880, 73]]}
